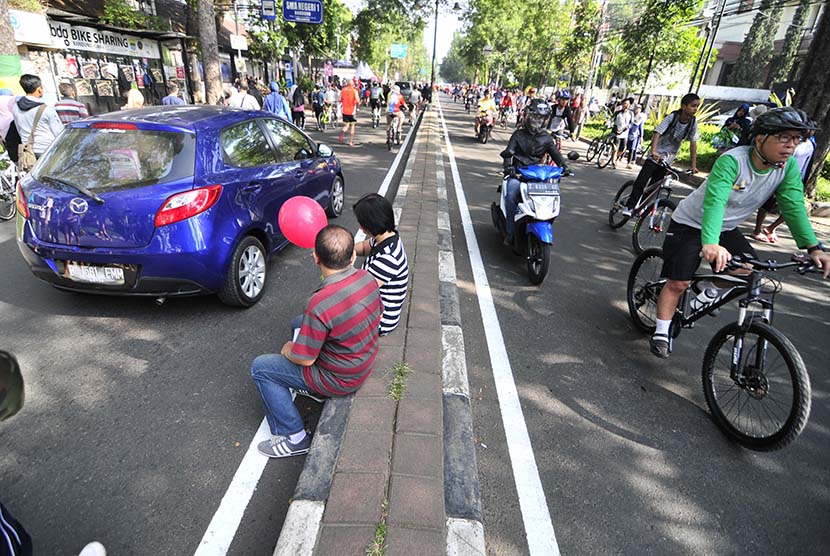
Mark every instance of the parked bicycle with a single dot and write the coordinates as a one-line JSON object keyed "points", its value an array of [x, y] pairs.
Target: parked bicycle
{"points": [[599, 146], [754, 380], [8, 183], [653, 209]]}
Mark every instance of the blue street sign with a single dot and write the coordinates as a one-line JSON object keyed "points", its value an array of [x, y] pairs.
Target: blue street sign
{"points": [[303, 11], [269, 10], [398, 50]]}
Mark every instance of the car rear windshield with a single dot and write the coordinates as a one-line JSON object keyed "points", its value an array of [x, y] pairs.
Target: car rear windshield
{"points": [[113, 159]]}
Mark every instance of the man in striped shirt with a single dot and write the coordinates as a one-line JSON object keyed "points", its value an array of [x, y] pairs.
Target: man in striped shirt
{"points": [[385, 256], [334, 346], [68, 108]]}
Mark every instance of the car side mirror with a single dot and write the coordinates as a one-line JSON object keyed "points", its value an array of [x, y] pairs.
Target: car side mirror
{"points": [[324, 150], [11, 386]]}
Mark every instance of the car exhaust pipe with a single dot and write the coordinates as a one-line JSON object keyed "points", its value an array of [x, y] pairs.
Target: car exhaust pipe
{"points": [[159, 301]]}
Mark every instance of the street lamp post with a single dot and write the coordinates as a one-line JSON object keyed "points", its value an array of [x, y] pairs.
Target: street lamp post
{"points": [[455, 8]]}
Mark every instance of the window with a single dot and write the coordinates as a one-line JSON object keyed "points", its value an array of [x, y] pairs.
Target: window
{"points": [[146, 6], [112, 159], [290, 143], [745, 5], [244, 146]]}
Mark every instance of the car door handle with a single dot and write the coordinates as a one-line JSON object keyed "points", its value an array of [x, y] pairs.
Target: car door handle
{"points": [[299, 174], [253, 186]]}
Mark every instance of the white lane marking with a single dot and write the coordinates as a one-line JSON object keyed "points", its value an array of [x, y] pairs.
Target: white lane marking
{"points": [[223, 526], [302, 523], [219, 535], [541, 539]]}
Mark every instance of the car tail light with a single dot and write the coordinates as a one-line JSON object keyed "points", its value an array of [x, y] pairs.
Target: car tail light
{"points": [[22, 206], [114, 125], [185, 205]]}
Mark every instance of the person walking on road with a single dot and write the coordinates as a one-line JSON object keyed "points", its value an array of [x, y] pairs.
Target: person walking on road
{"points": [[67, 107], [385, 256], [298, 106], [277, 104], [242, 99], [37, 123], [335, 342], [349, 100]]}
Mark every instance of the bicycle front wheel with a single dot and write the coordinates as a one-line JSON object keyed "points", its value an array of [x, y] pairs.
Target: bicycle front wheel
{"points": [[8, 206], [650, 229], [616, 218], [644, 286], [592, 149], [604, 155], [765, 404]]}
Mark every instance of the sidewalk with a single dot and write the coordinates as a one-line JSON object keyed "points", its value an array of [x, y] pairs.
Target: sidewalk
{"points": [[400, 473]]}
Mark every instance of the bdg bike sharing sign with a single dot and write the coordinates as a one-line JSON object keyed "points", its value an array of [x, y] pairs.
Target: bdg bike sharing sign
{"points": [[303, 11]]}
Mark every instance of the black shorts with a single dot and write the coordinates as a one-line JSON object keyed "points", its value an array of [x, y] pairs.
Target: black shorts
{"points": [[621, 144], [347, 119], [681, 250], [318, 109]]}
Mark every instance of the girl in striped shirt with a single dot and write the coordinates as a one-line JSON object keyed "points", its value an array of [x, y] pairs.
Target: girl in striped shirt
{"points": [[385, 256]]}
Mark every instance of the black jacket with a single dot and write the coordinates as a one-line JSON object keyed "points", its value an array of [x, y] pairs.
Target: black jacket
{"points": [[525, 149]]}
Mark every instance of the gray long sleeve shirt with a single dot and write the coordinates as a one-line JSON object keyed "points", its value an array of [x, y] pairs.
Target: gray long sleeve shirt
{"points": [[49, 126]]}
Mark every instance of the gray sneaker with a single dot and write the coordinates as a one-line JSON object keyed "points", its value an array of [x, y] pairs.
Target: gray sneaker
{"points": [[281, 447], [660, 345], [314, 396]]}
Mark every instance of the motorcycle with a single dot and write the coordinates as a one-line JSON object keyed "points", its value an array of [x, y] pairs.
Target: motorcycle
{"points": [[484, 126], [538, 208]]}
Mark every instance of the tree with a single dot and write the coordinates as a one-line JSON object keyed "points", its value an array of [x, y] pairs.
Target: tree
{"points": [[454, 68], [210, 51], [813, 96], [575, 55], [782, 63], [9, 58], [758, 46], [384, 22]]}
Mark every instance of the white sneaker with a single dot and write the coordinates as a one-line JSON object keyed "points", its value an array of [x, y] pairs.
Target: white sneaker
{"points": [[93, 549]]}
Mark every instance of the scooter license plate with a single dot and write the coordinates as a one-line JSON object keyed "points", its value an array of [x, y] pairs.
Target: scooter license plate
{"points": [[543, 188]]}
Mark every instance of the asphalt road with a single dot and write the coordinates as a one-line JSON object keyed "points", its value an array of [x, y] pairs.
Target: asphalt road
{"points": [[137, 416], [630, 460]]}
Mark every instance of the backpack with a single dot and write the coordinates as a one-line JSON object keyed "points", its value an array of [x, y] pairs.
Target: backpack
{"points": [[673, 124]]}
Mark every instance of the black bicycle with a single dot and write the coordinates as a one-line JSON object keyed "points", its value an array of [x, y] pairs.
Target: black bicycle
{"points": [[653, 210], [754, 380], [598, 144]]}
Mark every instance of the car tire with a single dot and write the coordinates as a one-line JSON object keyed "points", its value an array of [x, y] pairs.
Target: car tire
{"points": [[337, 198], [245, 279]]}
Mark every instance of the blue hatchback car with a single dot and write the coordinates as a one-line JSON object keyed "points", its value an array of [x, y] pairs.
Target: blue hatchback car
{"points": [[169, 201]]}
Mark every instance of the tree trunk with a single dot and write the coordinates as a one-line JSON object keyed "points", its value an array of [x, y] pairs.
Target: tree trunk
{"points": [[9, 59], [210, 52], [813, 96]]}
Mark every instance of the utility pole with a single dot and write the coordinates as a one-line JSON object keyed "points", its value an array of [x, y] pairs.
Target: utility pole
{"points": [[600, 35], [711, 46]]}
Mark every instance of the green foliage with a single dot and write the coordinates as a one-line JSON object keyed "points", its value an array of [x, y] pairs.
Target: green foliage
{"points": [[33, 6], [454, 67], [575, 55], [823, 190], [705, 112], [119, 13], [383, 22], [267, 43], [658, 37], [758, 46], [783, 61], [399, 373]]}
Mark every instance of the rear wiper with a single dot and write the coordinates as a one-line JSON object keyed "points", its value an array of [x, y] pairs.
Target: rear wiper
{"points": [[76, 187]]}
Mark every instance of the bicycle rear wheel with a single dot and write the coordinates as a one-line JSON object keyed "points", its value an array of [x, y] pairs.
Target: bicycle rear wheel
{"points": [[616, 218], [650, 232], [604, 155], [644, 286], [766, 405], [8, 206], [592, 149]]}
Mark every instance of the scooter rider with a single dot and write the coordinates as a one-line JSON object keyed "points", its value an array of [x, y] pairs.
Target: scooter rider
{"points": [[528, 145]]}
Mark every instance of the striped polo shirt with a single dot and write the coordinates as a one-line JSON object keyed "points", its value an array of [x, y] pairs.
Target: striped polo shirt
{"points": [[69, 110], [340, 331], [387, 263]]}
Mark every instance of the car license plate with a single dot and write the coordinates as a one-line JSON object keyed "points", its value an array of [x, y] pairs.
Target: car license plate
{"points": [[107, 275], [543, 188]]}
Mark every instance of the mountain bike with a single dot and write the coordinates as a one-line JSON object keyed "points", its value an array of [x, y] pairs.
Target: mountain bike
{"points": [[653, 209], [606, 150], [754, 380], [393, 132], [8, 183], [596, 143]]}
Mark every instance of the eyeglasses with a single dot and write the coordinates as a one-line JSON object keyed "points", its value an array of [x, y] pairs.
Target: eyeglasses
{"points": [[784, 139]]}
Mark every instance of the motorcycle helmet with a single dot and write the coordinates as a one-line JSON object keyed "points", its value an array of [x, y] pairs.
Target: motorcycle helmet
{"points": [[781, 119], [537, 112], [573, 155], [11, 386]]}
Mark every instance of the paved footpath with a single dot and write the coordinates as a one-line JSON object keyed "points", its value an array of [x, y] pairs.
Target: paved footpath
{"points": [[401, 473]]}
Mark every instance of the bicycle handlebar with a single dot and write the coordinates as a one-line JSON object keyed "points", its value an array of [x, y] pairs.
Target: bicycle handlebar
{"points": [[802, 263]]}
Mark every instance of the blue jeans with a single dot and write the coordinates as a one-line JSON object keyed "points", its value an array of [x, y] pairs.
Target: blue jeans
{"points": [[273, 375], [511, 204]]}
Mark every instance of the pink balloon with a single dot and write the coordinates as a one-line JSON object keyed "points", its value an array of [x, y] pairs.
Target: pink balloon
{"points": [[300, 219]]}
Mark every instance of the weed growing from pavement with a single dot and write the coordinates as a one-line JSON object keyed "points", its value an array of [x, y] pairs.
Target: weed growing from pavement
{"points": [[378, 546], [399, 373]]}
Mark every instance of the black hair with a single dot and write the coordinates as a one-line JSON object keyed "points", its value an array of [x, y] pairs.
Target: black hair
{"points": [[334, 246], [688, 98], [374, 214], [29, 83]]}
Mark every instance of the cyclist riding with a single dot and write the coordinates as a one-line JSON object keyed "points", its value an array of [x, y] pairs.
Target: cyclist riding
{"points": [[528, 145], [561, 116], [395, 107], [505, 107], [485, 106], [329, 101], [705, 224], [415, 100], [376, 99]]}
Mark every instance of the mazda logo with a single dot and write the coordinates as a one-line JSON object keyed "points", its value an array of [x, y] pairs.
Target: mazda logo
{"points": [[78, 205]]}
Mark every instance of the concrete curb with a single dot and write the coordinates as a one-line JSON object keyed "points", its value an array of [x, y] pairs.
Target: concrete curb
{"points": [[301, 527]]}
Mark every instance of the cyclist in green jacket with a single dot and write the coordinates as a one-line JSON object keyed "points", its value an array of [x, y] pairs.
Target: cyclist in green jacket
{"points": [[705, 224]]}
